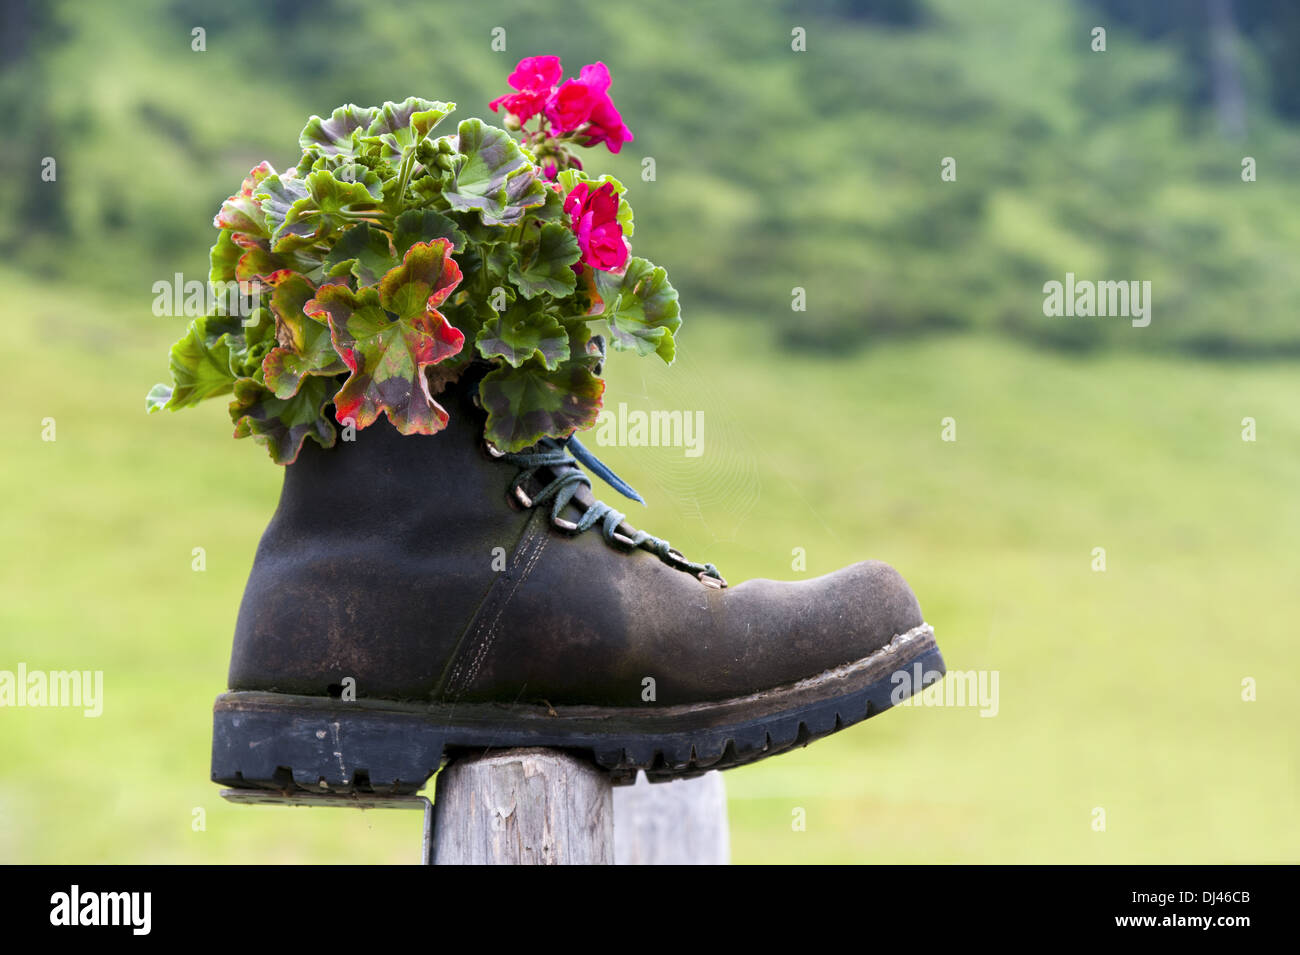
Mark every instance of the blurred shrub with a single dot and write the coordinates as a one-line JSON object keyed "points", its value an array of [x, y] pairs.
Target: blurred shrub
{"points": [[774, 169]]}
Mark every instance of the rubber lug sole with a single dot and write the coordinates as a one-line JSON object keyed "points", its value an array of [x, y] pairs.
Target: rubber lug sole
{"points": [[288, 743]]}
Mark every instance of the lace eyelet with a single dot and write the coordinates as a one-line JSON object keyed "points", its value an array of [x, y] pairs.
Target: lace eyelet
{"points": [[565, 474]]}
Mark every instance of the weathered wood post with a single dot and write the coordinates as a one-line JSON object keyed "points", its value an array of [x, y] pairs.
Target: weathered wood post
{"points": [[683, 822], [523, 807], [542, 806]]}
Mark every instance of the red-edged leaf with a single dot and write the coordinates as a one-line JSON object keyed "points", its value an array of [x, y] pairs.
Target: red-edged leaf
{"points": [[306, 347], [388, 336], [241, 212], [258, 262], [282, 425]]}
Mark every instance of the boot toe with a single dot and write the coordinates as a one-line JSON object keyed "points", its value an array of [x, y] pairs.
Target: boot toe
{"points": [[877, 604], [779, 632]]}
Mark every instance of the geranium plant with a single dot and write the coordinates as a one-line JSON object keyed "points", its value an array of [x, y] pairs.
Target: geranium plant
{"points": [[391, 258]]}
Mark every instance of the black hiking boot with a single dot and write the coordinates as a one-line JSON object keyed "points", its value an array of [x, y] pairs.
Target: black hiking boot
{"points": [[415, 596]]}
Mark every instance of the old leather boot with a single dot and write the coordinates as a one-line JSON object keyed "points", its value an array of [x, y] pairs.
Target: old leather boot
{"points": [[378, 632]]}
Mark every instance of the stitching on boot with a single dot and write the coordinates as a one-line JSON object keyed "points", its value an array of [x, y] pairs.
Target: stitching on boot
{"points": [[491, 635], [490, 612], [461, 680], [456, 659]]}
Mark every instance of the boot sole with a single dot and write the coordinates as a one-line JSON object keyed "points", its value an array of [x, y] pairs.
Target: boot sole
{"points": [[321, 744]]}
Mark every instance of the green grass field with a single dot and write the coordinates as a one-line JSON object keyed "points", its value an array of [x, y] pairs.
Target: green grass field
{"points": [[1119, 689]]}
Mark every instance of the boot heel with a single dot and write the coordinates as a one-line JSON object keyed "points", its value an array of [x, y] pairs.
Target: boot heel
{"points": [[333, 748]]}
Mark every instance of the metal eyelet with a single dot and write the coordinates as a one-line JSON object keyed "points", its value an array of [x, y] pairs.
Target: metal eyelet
{"points": [[564, 525], [491, 449], [522, 496], [711, 581], [625, 541]]}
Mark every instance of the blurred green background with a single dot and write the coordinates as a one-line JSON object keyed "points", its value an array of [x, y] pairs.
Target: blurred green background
{"points": [[775, 169]]}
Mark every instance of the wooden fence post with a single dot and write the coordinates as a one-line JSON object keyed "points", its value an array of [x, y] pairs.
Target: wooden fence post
{"points": [[523, 807], [683, 822], [544, 807]]}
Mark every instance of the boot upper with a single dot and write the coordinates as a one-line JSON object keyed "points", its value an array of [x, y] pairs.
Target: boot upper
{"points": [[407, 564]]}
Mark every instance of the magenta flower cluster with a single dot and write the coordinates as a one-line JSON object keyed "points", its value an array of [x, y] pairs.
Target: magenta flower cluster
{"points": [[580, 106]]}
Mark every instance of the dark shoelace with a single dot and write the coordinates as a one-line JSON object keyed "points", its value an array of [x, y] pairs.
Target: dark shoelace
{"points": [[562, 459]]}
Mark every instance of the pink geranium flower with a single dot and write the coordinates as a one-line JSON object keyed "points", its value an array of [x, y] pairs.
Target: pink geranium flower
{"points": [[593, 215], [601, 202], [602, 246], [585, 100], [570, 106], [535, 78], [536, 73], [606, 126]]}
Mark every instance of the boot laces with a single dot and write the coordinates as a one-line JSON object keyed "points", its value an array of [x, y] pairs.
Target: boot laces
{"points": [[561, 458]]}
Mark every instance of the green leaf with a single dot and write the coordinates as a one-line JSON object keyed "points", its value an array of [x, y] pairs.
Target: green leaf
{"points": [[403, 126], [425, 225], [363, 251], [584, 347], [492, 175], [224, 257], [388, 336], [251, 344], [544, 261], [529, 403], [357, 173], [200, 362], [522, 332], [413, 114], [305, 346], [158, 398], [329, 205], [641, 308], [277, 196], [552, 209], [498, 257], [470, 312], [338, 135], [283, 424], [341, 164]]}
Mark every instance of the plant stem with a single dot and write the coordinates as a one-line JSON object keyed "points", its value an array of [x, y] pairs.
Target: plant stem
{"points": [[408, 167]]}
